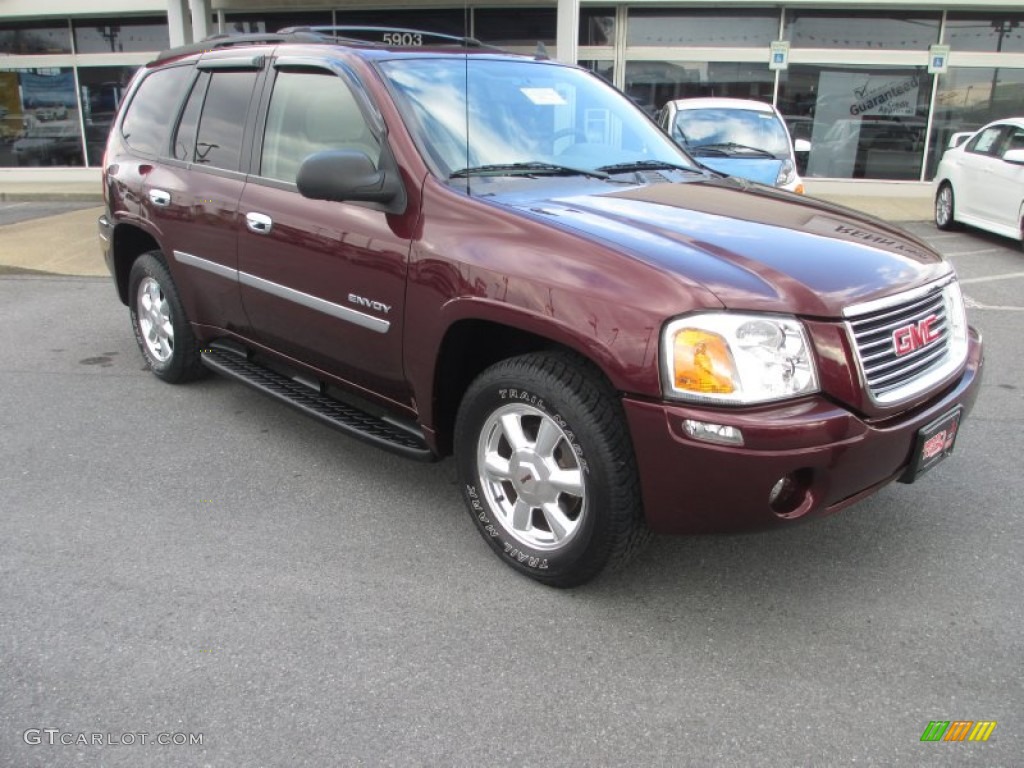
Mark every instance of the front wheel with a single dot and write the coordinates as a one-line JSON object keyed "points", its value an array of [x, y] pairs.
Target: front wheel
{"points": [[944, 207], [548, 470], [158, 318]]}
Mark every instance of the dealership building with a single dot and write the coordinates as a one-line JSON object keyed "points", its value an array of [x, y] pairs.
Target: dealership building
{"points": [[876, 88]]}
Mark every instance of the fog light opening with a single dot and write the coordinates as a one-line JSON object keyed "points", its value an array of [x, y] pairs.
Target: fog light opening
{"points": [[712, 433], [789, 496]]}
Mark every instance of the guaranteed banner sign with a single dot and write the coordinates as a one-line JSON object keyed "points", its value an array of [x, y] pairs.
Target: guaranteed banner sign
{"points": [[886, 96], [845, 101]]}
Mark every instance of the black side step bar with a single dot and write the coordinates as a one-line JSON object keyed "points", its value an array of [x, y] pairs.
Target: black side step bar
{"points": [[389, 435]]}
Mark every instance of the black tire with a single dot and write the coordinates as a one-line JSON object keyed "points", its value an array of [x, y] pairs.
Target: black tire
{"points": [[945, 207], [161, 327], [564, 537]]}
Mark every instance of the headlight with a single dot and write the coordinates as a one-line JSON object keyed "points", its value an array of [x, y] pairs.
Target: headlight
{"points": [[725, 357], [957, 314], [786, 173]]}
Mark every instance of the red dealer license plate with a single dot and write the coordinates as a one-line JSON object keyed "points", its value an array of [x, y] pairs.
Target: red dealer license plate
{"points": [[934, 443]]}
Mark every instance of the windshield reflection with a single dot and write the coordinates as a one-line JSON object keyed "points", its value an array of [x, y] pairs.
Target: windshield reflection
{"points": [[718, 128], [521, 112]]}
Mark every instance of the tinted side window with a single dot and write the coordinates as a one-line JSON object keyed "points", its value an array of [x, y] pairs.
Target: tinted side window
{"points": [[1015, 140], [219, 141], [147, 122], [185, 135], [986, 142], [310, 112]]}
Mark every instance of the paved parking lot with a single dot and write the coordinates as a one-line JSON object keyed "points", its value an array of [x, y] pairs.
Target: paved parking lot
{"points": [[200, 563]]}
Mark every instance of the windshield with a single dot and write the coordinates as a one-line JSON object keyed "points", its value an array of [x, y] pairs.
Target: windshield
{"points": [[522, 112], [717, 128]]}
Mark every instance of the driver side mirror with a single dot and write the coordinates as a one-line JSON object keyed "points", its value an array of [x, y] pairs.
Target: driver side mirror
{"points": [[349, 176], [1014, 156]]}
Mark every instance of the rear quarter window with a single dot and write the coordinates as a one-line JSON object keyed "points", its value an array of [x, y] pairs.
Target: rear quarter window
{"points": [[147, 122]]}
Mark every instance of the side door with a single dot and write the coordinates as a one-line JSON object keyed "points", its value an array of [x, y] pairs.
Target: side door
{"points": [[196, 196], [322, 282], [153, 186], [979, 161], [1008, 184]]}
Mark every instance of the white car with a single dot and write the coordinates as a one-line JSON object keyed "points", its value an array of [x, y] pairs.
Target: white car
{"points": [[739, 137], [980, 181]]}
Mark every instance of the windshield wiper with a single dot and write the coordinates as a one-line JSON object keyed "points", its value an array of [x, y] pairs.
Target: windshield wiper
{"points": [[646, 165], [525, 169], [733, 147]]}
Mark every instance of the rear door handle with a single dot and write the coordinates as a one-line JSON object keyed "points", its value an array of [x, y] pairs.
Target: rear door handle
{"points": [[259, 223], [159, 197]]}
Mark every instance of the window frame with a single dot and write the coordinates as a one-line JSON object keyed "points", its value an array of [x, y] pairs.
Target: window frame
{"points": [[995, 149], [201, 81], [206, 67], [337, 67]]}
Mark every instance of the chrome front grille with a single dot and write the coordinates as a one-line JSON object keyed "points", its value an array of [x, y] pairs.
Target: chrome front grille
{"points": [[902, 342]]}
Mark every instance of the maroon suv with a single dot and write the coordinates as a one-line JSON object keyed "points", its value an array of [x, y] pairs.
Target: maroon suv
{"points": [[442, 248]]}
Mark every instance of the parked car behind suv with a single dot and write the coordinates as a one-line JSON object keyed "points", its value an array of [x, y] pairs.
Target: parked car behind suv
{"points": [[980, 180], [740, 137], [449, 250]]}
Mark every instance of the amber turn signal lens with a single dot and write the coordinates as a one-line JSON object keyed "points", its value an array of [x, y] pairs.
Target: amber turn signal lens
{"points": [[703, 362]]}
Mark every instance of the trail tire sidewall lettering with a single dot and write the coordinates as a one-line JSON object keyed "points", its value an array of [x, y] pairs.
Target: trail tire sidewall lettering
{"points": [[546, 384], [519, 555]]}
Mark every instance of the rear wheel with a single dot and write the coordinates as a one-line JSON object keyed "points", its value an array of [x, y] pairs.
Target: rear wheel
{"points": [[547, 467], [161, 328], [944, 207]]}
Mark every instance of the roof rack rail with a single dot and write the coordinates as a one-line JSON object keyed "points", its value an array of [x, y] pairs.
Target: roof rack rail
{"points": [[226, 41], [341, 34], [316, 34]]}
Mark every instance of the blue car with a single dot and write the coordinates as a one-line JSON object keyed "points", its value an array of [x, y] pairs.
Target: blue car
{"points": [[738, 137]]}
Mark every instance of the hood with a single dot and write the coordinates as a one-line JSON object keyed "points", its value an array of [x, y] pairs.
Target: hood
{"points": [[764, 170], [754, 247]]}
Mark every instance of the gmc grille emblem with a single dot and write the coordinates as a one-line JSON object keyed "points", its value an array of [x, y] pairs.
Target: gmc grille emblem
{"points": [[912, 337]]}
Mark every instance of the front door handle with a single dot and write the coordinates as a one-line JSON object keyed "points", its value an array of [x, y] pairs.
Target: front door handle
{"points": [[259, 223], [159, 197]]}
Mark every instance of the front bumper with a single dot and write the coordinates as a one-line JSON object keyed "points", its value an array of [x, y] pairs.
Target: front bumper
{"points": [[835, 456]]}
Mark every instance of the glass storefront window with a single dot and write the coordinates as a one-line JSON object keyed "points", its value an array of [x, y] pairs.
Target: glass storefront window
{"points": [[261, 23], [35, 37], [597, 26], [970, 97], [602, 67], [522, 27], [39, 118], [747, 28], [863, 122], [102, 90], [873, 30], [994, 33], [445, 21], [652, 83], [117, 35]]}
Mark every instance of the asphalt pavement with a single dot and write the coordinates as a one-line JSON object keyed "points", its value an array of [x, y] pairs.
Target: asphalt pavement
{"points": [[199, 563]]}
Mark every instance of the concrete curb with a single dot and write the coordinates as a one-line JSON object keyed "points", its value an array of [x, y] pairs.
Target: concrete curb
{"points": [[53, 197]]}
